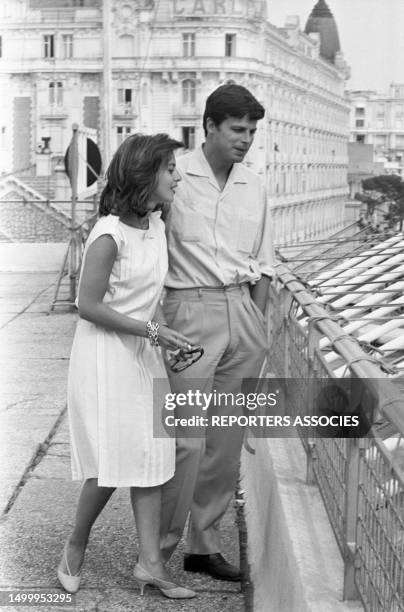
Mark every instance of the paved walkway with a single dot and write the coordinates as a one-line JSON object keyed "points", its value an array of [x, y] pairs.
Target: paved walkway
{"points": [[37, 497]]}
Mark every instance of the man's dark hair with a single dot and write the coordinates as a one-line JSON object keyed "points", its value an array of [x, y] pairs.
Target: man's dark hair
{"points": [[231, 100]]}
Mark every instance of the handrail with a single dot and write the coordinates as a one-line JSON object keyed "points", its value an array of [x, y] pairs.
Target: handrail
{"points": [[360, 480], [392, 403]]}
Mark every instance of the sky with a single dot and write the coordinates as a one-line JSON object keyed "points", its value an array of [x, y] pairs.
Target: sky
{"points": [[371, 34]]}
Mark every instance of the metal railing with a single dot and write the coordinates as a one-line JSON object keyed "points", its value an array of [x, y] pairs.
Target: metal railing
{"points": [[360, 479], [72, 261]]}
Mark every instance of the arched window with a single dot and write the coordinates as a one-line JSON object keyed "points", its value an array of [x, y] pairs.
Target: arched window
{"points": [[188, 92], [125, 46]]}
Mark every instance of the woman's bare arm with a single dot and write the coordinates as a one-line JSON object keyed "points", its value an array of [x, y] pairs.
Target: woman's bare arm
{"points": [[93, 286]]}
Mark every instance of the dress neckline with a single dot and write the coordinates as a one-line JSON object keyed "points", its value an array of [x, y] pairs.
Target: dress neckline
{"points": [[139, 229]]}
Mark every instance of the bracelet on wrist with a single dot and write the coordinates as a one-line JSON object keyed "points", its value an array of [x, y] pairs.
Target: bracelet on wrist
{"points": [[152, 330]]}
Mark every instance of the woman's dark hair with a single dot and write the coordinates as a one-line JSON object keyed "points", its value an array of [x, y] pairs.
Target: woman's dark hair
{"points": [[231, 100], [133, 171]]}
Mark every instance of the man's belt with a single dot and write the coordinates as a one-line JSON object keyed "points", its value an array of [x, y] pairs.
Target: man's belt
{"points": [[220, 288]]}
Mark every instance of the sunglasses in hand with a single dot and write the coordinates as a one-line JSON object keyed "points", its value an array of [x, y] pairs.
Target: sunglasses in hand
{"points": [[181, 359]]}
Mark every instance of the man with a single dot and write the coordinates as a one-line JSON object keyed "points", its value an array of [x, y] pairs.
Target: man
{"points": [[220, 266]]}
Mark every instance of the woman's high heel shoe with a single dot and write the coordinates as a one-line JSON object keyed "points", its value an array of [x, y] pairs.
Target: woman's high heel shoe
{"points": [[169, 589], [70, 583]]}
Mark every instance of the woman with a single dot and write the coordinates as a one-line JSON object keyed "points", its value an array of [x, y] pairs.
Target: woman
{"points": [[115, 357]]}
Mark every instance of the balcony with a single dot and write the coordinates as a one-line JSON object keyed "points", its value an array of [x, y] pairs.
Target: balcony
{"points": [[124, 111], [51, 65], [72, 14], [331, 342], [187, 112], [53, 112]]}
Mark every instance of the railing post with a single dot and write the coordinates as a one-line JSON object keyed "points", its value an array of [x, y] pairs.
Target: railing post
{"points": [[311, 376], [73, 157], [310, 461], [286, 301], [352, 472]]}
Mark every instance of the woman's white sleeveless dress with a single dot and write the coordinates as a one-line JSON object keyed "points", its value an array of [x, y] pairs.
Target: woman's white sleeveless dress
{"points": [[110, 384]]}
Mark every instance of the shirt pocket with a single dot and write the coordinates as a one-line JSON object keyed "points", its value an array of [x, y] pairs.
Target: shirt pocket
{"points": [[247, 234]]}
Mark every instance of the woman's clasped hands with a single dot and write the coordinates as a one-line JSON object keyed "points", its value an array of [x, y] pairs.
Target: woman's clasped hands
{"points": [[180, 352], [172, 340]]}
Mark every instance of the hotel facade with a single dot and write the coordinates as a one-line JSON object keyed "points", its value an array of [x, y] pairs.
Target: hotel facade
{"points": [[116, 67]]}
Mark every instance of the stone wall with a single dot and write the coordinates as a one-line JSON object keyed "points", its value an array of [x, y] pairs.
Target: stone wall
{"points": [[27, 222]]}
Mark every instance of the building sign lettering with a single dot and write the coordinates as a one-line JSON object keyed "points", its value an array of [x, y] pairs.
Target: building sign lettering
{"points": [[254, 9]]}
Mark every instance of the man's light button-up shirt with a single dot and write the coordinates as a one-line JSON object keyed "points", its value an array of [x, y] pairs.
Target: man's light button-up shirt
{"points": [[217, 237]]}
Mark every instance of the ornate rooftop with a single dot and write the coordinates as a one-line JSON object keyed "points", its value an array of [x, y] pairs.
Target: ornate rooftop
{"points": [[321, 21]]}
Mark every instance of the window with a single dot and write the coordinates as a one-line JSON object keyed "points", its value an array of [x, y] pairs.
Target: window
{"points": [[359, 111], [3, 137], [67, 46], [125, 97], [125, 46], [360, 138], [122, 132], [188, 92], [380, 140], [56, 93], [380, 110], [188, 45], [230, 45], [188, 137], [49, 45], [360, 123]]}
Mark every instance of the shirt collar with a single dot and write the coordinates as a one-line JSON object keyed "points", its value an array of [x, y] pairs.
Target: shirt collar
{"points": [[199, 166]]}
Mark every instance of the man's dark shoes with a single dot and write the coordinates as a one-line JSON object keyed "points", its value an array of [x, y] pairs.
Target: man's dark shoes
{"points": [[215, 565]]}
